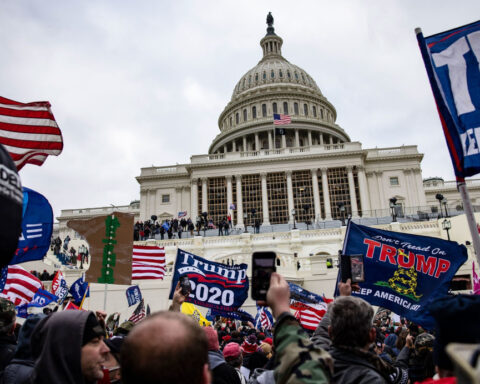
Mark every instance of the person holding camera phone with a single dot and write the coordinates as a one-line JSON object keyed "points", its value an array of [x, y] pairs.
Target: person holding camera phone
{"points": [[297, 359]]}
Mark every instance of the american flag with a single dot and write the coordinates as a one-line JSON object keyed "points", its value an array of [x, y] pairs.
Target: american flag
{"points": [[29, 131], [281, 119], [309, 315], [148, 262], [139, 313], [20, 286]]}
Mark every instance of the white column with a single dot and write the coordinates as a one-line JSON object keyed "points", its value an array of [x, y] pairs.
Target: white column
{"points": [[245, 144], [310, 143], [351, 189], [290, 196], [153, 203], [284, 141], [326, 195], [422, 201], [178, 191], [409, 200], [297, 138], [143, 204], [194, 200], [238, 180], [225, 148], [204, 195], [257, 142], [234, 146], [364, 194], [229, 193], [270, 140], [381, 193], [266, 218], [321, 138], [331, 139], [316, 193]]}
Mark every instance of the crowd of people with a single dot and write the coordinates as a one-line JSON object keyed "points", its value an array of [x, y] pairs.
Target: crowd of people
{"points": [[351, 345], [44, 276], [68, 255]]}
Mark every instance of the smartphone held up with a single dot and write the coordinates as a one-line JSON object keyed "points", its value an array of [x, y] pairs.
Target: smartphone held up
{"points": [[351, 267], [263, 265]]}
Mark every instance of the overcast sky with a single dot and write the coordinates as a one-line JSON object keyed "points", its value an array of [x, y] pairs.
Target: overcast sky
{"points": [[140, 83]]}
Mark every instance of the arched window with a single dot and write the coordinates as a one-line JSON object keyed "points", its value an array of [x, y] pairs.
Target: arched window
{"points": [[272, 74], [244, 80], [249, 79], [254, 112], [264, 75], [256, 77], [237, 118], [321, 113], [285, 108], [295, 108], [274, 106], [288, 74], [296, 75], [314, 110], [305, 109], [264, 110], [231, 122], [303, 77], [280, 73], [244, 115]]}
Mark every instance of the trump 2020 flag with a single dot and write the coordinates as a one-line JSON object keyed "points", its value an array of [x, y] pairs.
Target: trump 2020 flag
{"points": [[59, 287], [134, 295], [214, 285], [403, 272], [452, 62], [263, 319], [37, 225]]}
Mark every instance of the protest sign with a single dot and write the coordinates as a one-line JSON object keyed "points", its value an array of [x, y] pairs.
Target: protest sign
{"points": [[110, 239], [134, 295], [214, 285], [403, 272], [59, 287]]}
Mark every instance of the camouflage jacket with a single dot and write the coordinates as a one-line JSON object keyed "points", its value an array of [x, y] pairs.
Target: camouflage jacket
{"points": [[297, 359]]}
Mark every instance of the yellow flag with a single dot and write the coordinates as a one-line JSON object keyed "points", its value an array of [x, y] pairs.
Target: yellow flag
{"points": [[189, 309]]}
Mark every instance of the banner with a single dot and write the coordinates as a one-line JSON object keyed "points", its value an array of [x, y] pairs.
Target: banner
{"points": [[59, 287], [308, 306], [451, 59], [110, 239], [190, 310], [134, 295], [37, 226], [43, 297], [263, 319], [214, 285], [239, 314], [403, 272], [78, 289]]}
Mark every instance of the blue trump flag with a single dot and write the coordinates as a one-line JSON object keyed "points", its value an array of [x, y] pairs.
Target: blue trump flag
{"points": [[134, 295], [79, 289], [451, 59], [239, 314], [214, 285], [403, 272], [43, 297], [37, 225]]}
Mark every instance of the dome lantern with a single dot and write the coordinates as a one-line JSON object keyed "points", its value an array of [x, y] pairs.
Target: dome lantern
{"points": [[271, 43]]}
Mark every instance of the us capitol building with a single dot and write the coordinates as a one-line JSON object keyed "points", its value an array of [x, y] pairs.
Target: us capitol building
{"points": [[312, 177]]}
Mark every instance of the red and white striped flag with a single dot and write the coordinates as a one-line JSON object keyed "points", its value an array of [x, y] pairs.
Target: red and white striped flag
{"points": [[281, 119], [148, 262], [309, 315], [139, 313], [20, 286], [29, 131]]}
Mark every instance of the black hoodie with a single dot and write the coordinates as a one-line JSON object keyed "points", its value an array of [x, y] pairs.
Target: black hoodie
{"points": [[57, 345]]}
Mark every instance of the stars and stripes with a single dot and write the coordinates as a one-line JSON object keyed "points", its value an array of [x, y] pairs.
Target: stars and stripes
{"points": [[281, 119], [20, 286], [148, 262], [139, 313], [309, 315], [29, 131]]}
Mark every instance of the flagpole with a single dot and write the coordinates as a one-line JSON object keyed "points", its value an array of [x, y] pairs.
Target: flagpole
{"points": [[472, 223], [105, 297], [85, 295]]}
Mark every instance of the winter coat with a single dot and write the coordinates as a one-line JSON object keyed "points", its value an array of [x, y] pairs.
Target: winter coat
{"points": [[8, 345], [222, 373]]}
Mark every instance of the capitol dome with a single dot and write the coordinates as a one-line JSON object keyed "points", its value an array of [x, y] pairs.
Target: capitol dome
{"points": [[275, 86]]}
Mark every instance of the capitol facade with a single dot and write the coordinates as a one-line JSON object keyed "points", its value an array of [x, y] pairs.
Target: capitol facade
{"points": [[301, 186]]}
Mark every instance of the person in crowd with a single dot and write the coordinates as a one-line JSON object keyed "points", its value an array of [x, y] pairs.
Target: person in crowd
{"points": [[222, 373], [346, 331], [8, 343], [20, 368], [233, 356], [180, 230], [112, 361], [249, 347], [420, 357], [69, 348], [220, 227], [257, 225], [152, 353], [191, 227]]}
